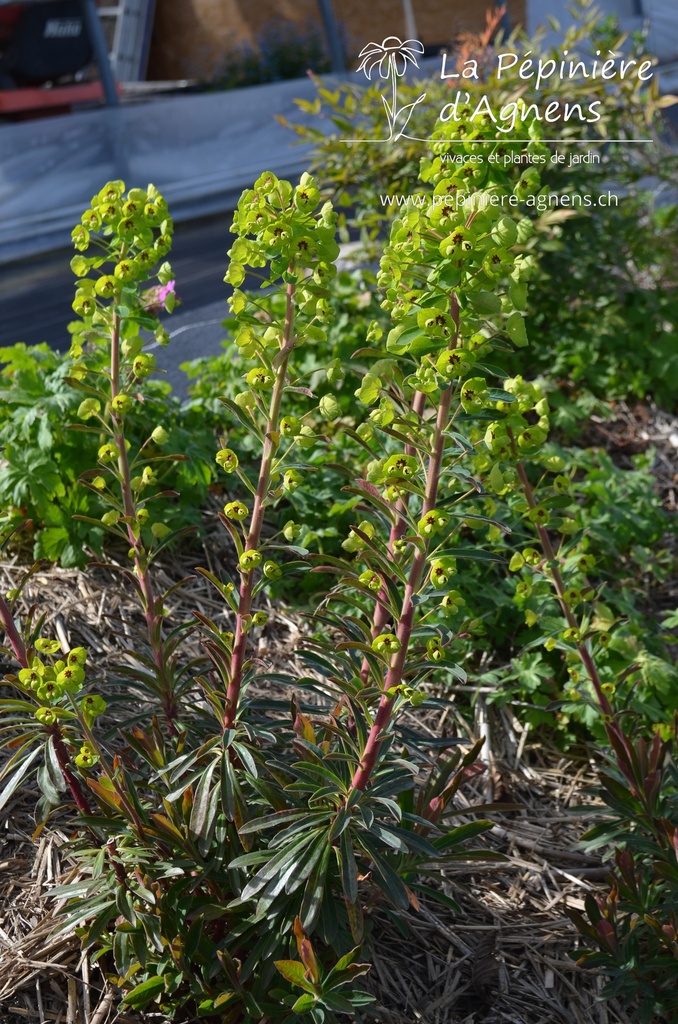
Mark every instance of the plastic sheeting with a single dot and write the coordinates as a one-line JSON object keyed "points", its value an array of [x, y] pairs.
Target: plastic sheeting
{"points": [[662, 16], [200, 150]]}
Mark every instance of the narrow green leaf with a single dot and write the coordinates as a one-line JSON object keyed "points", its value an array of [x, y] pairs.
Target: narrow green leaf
{"points": [[349, 868], [17, 778], [142, 995], [295, 973]]}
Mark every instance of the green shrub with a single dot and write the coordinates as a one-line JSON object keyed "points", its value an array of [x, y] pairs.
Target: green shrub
{"points": [[218, 835], [230, 835], [45, 452], [604, 292], [632, 930]]}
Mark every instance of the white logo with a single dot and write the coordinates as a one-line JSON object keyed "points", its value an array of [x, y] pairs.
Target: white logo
{"points": [[391, 57], [62, 28]]}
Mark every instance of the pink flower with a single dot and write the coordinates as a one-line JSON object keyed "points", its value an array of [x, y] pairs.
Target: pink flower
{"points": [[156, 298]]}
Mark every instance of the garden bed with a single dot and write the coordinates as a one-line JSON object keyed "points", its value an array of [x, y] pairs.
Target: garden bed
{"points": [[504, 958]]}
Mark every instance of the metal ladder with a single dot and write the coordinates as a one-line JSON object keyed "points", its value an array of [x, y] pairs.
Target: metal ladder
{"points": [[128, 26]]}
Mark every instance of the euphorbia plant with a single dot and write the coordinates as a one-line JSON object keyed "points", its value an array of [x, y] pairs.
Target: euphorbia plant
{"points": [[455, 286], [298, 245], [304, 819], [132, 233]]}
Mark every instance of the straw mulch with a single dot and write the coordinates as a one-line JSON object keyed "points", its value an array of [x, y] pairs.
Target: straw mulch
{"points": [[503, 960]]}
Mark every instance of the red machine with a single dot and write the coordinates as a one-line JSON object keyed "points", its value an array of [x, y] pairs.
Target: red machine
{"points": [[45, 48]]}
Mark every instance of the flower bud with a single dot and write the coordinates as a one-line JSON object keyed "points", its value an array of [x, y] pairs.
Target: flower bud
{"points": [[335, 372], [290, 426], [160, 435], [354, 541], [432, 523], [306, 438], [291, 531], [88, 408], [110, 518], [160, 531], [386, 643], [259, 379], [329, 407], [249, 560], [235, 510], [245, 400], [227, 459]]}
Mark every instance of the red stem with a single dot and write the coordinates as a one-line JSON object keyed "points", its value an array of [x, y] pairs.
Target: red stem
{"points": [[618, 738], [404, 632], [398, 530], [560, 589], [63, 759], [16, 641], [252, 543], [20, 653], [153, 619]]}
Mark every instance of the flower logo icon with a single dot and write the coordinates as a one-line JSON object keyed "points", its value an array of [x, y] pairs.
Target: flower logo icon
{"points": [[391, 57]]}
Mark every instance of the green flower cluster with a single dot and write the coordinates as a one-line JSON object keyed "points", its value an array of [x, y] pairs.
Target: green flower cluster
{"points": [[454, 276], [132, 232], [286, 232], [135, 232], [52, 679]]}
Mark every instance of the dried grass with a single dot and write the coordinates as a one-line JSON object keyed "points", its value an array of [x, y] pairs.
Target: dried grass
{"points": [[504, 959]]}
